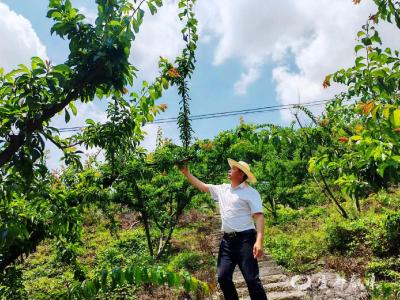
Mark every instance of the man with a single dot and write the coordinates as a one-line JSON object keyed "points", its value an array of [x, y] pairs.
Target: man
{"points": [[241, 243]]}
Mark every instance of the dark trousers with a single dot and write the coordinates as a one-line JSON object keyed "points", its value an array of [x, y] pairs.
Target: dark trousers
{"points": [[234, 251]]}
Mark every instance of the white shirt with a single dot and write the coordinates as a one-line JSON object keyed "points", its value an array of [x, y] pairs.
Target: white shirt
{"points": [[236, 205]]}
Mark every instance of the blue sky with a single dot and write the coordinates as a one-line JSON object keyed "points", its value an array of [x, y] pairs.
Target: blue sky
{"points": [[250, 54]]}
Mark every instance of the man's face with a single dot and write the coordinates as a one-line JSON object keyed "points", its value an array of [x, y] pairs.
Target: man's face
{"points": [[235, 174]]}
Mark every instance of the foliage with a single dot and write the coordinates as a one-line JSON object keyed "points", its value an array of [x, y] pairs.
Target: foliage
{"points": [[190, 261], [40, 210], [352, 150], [186, 65], [129, 248], [345, 236], [96, 66], [385, 269], [384, 238], [133, 275], [11, 286], [386, 290], [296, 250], [278, 157], [364, 154], [384, 276], [35, 204]]}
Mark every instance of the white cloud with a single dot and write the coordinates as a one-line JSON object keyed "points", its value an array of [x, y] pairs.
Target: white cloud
{"points": [[19, 40], [302, 40], [246, 79], [159, 35], [89, 13]]}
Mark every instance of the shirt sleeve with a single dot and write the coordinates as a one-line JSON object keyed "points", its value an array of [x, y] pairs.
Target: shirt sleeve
{"points": [[214, 191], [255, 203]]}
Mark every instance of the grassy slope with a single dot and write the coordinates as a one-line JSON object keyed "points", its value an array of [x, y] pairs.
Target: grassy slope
{"points": [[45, 274], [317, 237]]}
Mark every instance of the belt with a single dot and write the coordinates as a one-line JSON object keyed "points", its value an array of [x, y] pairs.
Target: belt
{"points": [[238, 233]]}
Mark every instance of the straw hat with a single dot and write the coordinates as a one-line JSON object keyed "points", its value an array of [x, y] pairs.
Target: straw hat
{"points": [[244, 167]]}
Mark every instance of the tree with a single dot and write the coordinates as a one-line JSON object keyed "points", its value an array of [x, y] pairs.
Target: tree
{"points": [[365, 154], [33, 205]]}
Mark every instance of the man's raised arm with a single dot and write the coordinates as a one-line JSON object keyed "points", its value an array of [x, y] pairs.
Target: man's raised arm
{"points": [[194, 180]]}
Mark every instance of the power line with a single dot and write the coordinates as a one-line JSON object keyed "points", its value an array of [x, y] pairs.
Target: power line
{"points": [[261, 109], [233, 113], [225, 113]]}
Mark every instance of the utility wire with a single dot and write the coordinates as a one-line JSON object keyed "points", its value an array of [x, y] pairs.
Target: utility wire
{"points": [[226, 113]]}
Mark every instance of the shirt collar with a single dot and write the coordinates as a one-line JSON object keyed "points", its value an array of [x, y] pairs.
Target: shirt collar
{"points": [[240, 186]]}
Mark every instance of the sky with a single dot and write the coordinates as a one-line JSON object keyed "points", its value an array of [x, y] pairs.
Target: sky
{"points": [[251, 54]]}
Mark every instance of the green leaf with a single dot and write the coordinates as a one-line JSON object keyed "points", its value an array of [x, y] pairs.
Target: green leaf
{"points": [[152, 8], [396, 118], [55, 15], [140, 15], [68, 5], [73, 108], [145, 274], [171, 279], [104, 275], [358, 48], [379, 73], [54, 3], [61, 68], [381, 169], [67, 116], [152, 94], [138, 275], [154, 277], [360, 33], [366, 41], [135, 25], [90, 122], [115, 23], [58, 28], [193, 284], [37, 62], [129, 275], [25, 69], [165, 83], [376, 38]]}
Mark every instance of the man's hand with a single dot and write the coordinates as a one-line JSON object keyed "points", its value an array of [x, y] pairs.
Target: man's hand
{"points": [[257, 249], [184, 169]]}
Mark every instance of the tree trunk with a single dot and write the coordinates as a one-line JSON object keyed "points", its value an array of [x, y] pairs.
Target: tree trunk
{"points": [[144, 217], [341, 209]]}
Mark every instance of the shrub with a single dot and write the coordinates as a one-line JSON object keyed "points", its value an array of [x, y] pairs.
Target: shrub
{"points": [[11, 284], [287, 215], [190, 261], [389, 200], [384, 235], [297, 251], [385, 269], [345, 237], [385, 291], [131, 247], [392, 230]]}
